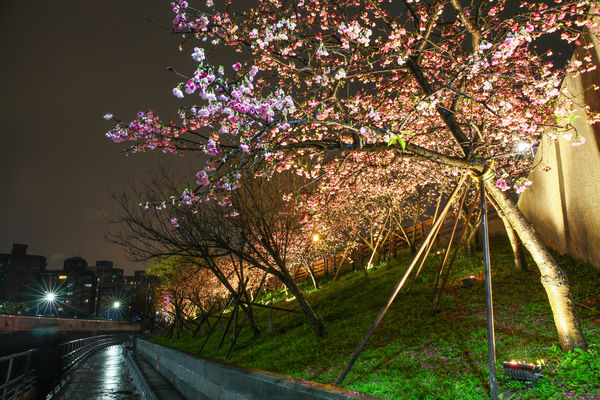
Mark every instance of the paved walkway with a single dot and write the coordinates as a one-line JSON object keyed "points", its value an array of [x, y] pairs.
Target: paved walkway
{"points": [[103, 376]]}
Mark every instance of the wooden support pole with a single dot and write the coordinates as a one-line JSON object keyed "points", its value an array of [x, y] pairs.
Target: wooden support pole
{"points": [[237, 303], [212, 329], [400, 284], [236, 329], [457, 219], [435, 235], [447, 273], [271, 307]]}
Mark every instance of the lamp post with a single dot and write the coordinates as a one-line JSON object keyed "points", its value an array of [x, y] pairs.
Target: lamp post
{"points": [[116, 306], [49, 297]]}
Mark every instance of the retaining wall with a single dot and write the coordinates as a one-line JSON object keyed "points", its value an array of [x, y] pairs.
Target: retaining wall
{"points": [[204, 379], [31, 323], [563, 204]]}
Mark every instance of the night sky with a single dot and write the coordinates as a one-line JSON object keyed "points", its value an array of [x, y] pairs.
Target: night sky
{"points": [[65, 63]]}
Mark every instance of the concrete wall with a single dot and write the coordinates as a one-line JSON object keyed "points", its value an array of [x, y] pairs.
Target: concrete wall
{"points": [[563, 204], [28, 323], [203, 379]]}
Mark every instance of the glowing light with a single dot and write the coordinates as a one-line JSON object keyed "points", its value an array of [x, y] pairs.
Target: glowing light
{"points": [[62, 277], [522, 147], [49, 297], [116, 304], [316, 237]]}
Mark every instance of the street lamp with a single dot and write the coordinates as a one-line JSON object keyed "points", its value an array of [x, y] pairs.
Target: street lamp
{"points": [[315, 237], [49, 297], [116, 307]]}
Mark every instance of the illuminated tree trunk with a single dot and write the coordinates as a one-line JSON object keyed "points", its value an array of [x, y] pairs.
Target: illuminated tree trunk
{"points": [[317, 323], [553, 278], [310, 273], [513, 238]]}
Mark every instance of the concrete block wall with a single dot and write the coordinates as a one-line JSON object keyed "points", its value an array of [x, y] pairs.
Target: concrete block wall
{"points": [[563, 204], [204, 379]]}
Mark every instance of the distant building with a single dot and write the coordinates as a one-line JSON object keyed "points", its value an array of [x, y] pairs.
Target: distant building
{"points": [[75, 264], [130, 281], [20, 275], [111, 288], [103, 265], [76, 288], [139, 275], [116, 276]]}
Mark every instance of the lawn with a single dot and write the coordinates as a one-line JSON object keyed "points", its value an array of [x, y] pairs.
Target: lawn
{"points": [[416, 355]]}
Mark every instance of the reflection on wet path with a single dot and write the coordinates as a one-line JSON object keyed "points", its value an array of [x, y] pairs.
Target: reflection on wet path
{"points": [[103, 376]]}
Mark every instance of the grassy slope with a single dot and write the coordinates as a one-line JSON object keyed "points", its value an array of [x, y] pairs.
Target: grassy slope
{"points": [[414, 355]]}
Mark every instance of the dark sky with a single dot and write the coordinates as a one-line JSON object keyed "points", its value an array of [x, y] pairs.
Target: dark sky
{"points": [[64, 64]]}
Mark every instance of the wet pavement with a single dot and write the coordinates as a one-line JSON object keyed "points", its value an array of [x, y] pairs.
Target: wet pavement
{"points": [[103, 376]]}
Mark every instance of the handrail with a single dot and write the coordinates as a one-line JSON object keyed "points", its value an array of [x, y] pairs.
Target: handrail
{"points": [[14, 384], [75, 351], [19, 376], [8, 357]]}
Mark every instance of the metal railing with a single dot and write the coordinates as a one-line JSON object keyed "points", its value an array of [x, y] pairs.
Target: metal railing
{"points": [[19, 376], [19, 371], [75, 351]]}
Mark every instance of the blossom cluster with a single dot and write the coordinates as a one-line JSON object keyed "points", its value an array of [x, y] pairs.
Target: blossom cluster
{"points": [[313, 96], [280, 31], [354, 32]]}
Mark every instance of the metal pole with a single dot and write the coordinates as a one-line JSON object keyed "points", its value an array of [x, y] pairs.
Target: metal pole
{"points": [[488, 290], [399, 285]]}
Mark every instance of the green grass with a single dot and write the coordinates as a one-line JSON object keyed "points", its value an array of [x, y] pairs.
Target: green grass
{"points": [[414, 355]]}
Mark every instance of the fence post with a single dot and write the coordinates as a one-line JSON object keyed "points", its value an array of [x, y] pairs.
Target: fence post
{"points": [[9, 372]]}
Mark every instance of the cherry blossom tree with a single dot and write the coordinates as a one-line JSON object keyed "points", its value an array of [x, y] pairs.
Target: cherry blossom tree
{"points": [[368, 207], [412, 83], [146, 235], [263, 227]]}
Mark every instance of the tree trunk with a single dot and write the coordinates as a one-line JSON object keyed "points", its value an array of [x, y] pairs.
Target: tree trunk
{"points": [[553, 278], [413, 242], [237, 295], [248, 310], [310, 273], [317, 323], [513, 238], [471, 238], [470, 245]]}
